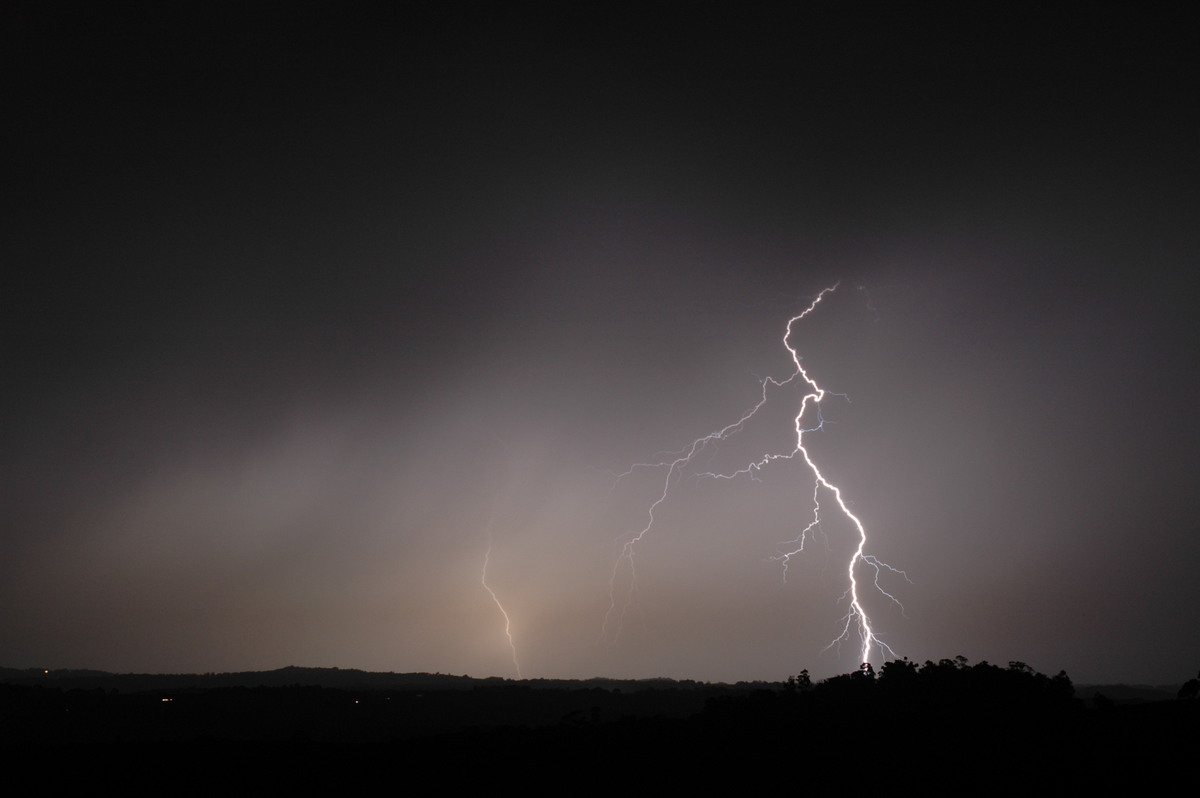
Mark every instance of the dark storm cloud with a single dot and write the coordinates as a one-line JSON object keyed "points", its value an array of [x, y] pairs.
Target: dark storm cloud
{"points": [[302, 300]]}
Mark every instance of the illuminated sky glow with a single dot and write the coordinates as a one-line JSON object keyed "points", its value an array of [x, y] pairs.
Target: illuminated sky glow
{"points": [[291, 297]]}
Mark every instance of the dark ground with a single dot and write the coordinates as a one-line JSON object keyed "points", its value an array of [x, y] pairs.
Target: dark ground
{"points": [[940, 726]]}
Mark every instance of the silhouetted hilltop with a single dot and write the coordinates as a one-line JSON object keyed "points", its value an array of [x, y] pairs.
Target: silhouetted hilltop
{"points": [[940, 723], [336, 678], [354, 679], [317, 704]]}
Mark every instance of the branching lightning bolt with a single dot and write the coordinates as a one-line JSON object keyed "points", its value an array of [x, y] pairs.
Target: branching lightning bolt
{"points": [[856, 619], [507, 621]]}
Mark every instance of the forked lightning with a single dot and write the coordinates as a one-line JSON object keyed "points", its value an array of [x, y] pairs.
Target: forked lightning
{"points": [[856, 619]]}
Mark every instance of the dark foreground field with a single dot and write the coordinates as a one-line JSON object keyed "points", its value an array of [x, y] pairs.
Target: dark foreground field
{"points": [[937, 727]]}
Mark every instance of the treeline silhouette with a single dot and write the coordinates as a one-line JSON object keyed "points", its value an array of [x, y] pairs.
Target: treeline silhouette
{"points": [[940, 723]]}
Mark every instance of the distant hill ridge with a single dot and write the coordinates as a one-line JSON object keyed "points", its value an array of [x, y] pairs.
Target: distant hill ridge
{"points": [[355, 679], [339, 678]]}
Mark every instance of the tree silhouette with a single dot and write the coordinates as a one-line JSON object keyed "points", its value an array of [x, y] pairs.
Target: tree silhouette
{"points": [[1191, 688]]}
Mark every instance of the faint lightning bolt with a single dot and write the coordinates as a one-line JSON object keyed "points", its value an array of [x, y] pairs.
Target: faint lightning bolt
{"points": [[507, 621], [856, 620]]}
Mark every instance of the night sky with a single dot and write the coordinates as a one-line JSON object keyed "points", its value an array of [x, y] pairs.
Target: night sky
{"points": [[303, 304]]}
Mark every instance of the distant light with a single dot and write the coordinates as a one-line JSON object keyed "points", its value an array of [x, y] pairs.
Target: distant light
{"points": [[168, 699]]}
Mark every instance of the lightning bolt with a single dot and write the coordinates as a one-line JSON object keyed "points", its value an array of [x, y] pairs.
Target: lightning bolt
{"points": [[507, 621], [856, 621]]}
